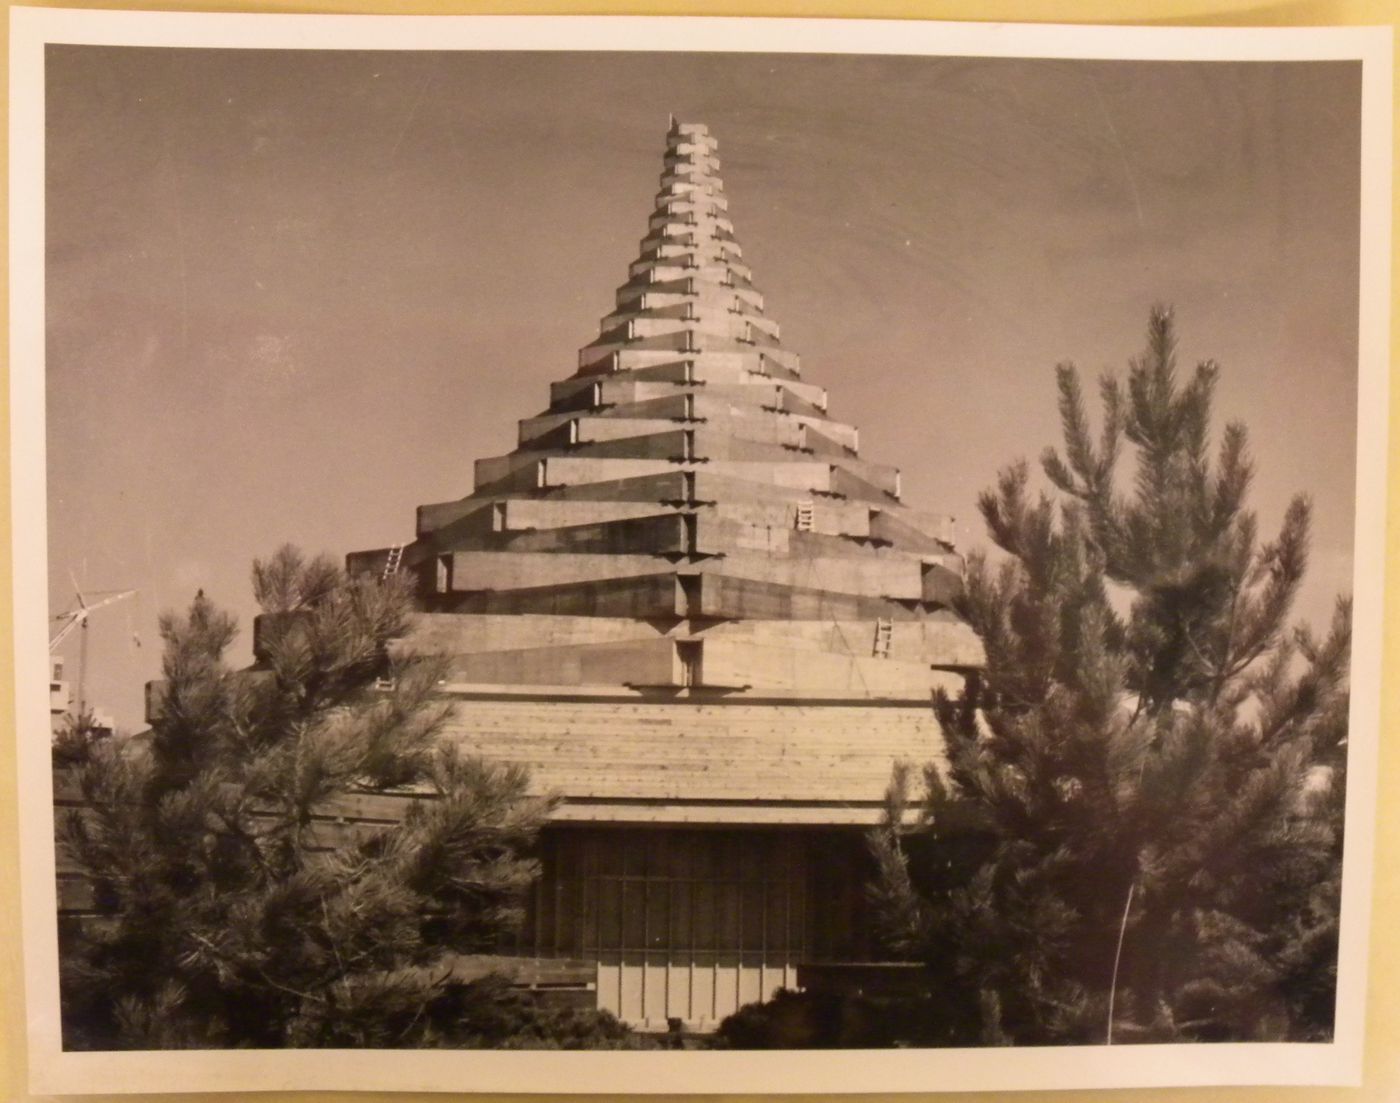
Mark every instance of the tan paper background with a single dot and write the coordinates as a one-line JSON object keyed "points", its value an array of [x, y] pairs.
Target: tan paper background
{"points": [[1382, 1075]]}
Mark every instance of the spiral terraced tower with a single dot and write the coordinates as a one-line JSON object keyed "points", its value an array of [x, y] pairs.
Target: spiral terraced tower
{"points": [[692, 608]]}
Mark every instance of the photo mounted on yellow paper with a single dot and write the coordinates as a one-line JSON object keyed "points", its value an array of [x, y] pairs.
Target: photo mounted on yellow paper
{"points": [[596, 554]]}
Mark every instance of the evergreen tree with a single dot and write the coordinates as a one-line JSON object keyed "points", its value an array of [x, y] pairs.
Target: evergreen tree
{"points": [[76, 736], [231, 911], [1155, 763]]}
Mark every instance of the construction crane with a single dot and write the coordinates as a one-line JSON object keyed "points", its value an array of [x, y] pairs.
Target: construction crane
{"points": [[78, 618]]}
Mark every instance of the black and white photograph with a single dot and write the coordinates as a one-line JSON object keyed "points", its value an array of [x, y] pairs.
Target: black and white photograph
{"points": [[691, 552]]}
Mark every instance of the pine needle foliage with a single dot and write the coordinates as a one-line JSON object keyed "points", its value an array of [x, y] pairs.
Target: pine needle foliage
{"points": [[1155, 761], [77, 735], [231, 911]]}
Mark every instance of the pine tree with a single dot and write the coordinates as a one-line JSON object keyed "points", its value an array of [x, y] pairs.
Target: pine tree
{"points": [[77, 734], [230, 913], [1155, 762]]}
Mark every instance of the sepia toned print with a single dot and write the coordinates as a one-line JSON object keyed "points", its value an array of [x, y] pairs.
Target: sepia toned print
{"points": [[693, 720]]}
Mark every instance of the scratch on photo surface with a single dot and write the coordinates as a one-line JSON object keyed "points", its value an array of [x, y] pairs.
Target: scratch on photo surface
{"points": [[1118, 145], [177, 210], [412, 111], [151, 568]]}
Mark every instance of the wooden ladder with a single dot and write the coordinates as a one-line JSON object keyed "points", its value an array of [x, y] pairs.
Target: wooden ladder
{"points": [[392, 562], [806, 515], [884, 633]]}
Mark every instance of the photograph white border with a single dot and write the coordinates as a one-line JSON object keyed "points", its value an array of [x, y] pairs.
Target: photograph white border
{"points": [[53, 1071]]}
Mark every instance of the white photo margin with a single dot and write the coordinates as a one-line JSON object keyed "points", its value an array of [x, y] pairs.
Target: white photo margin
{"points": [[53, 1071]]}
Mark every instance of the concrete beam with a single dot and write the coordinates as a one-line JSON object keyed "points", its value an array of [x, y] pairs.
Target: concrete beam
{"points": [[891, 576], [627, 662], [570, 471], [829, 516], [438, 515], [937, 639], [643, 596], [477, 570], [721, 597], [523, 514], [660, 534], [471, 633], [850, 676], [538, 434], [849, 484], [670, 486], [912, 528]]}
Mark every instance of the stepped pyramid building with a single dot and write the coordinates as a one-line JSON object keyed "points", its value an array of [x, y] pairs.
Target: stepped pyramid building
{"points": [[696, 613]]}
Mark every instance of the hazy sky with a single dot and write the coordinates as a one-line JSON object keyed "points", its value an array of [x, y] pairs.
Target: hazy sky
{"points": [[292, 295]]}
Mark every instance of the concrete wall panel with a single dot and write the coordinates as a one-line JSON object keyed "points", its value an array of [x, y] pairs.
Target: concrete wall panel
{"points": [[891, 577], [759, 667], [522, 514], [659, 534], [453, 634], [630, 662], [641, 596], [476, 570], [656, 750]]}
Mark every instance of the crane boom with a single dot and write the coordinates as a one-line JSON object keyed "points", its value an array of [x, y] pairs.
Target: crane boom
{"points": [[75, 617], [78, 618]]}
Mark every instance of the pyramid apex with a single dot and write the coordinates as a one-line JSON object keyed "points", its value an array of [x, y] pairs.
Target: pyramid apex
{"points": [[693, 129]]}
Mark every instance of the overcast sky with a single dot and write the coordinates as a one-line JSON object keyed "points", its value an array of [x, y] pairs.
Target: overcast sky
{"points": [[292, 295]]}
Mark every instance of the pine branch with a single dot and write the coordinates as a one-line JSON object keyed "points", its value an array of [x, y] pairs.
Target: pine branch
{"points": [[210, 853], [1156, 733]]}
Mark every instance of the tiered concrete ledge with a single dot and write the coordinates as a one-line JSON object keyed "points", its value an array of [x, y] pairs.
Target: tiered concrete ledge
{"points": [[685, 521]]}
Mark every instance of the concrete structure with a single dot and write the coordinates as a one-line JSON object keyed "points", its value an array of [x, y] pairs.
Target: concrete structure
{"points": [[695, 612], [60, 693], [61, 713]]}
